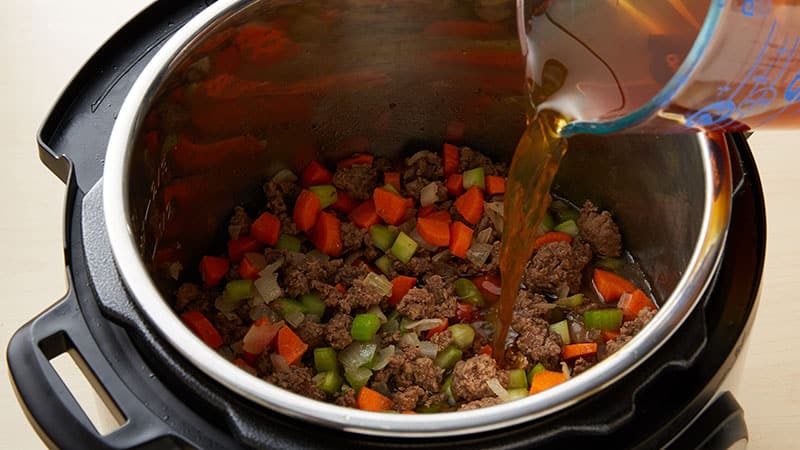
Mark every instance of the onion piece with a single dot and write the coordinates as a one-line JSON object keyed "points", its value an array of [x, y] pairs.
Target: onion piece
{"points": [[271, 268], [174, 270], [295, 318], [379, 313], [295, 258], [429, 194], [379, 283], [485, 236], [429, 349], [419, 155], [384, 355], [494, 210], [284, 175], [259, 311], [409, 340], [424, 324], [478, 253], [442, 256], [268, 288], [227, 305], [279, 363], [565, 370], [318, 255], [357, 354], [499, 390]]}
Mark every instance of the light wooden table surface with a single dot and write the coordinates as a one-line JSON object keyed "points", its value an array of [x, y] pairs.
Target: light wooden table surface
{"points": [[44, 42]]}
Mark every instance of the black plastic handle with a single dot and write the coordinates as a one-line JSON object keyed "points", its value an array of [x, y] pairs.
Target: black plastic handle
{"points": [[48, 403]]}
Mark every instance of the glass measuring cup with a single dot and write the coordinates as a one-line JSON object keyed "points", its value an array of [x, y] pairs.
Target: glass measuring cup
{"points": [[664, 65]]}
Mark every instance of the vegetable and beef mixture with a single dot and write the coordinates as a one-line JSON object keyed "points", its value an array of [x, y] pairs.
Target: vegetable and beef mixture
{"points": [[372, 285]]}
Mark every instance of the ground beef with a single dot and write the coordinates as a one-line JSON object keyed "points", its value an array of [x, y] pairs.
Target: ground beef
{"points": [[470, 377], [423, 165], [187, 293], [230, 326], [346, 398], [515, 359], [407, 399], [239, 224], [470, 159], [556, 268], [312, 333], [435, 299], [600, 231], [581, 365], [443, 339], [382, 165], [537, 342], [361, 295], [330, 296], [480, 403], [408, 368], [337, 331], [279, 195], [298, 380], [297, 278], [352, 237], [416, 266], [350, 273], [358, 181], [287, 224], [530, 305], [630, 329], [263, 364]]}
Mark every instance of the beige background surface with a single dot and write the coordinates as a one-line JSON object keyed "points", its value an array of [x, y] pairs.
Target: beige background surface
{"points": [[44, 42]]}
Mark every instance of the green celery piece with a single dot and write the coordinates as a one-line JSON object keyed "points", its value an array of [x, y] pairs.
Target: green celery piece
{"points": [[562, 328], [448, 357], [463, 335], [288, 242], [326, 194], [403, 248], [391, 188], [447, 389], [517, 379], [467, 292], [357, 377], [325, 359], [312, 304], [475, 177], [287, 306], [384, 264], [364, 327], [603, 319], [383, 236], [239, 289], [546, 224], [534, 370], [612, 264], [572, 301], [330, 382], [517, 393], [569, 227], [431, 409]]}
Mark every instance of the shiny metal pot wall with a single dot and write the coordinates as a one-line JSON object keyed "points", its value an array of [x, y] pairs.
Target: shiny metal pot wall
{"points": [[286, 81]]}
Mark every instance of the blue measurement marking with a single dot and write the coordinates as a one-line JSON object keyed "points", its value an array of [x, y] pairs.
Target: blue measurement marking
{"points": [[757, 8], [789, 58]]}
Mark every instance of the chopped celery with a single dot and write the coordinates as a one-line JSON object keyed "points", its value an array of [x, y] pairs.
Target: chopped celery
{"points": [[325, 359], [463, 335], [364, 327], [448, 357], [534, 370], [547, 223], [391, 188], [403, 248], [447, 389], [434, 408], [330, 382], [288, 306], [288, 242], [467, 292], [562, 328], [239, 289], [517, 393], [312, 304], [384, 264], [569, 227], [517, 379], [326, 194], [475, 177], [603, 319], [357, 377], [572, 301], [612, 264], [383, 236]]}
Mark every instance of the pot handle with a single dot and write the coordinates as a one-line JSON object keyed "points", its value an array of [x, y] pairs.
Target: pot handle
{"points": [[48, 404]]}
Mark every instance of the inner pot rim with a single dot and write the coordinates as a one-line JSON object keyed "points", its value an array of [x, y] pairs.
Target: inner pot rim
{"points": [[689, 290]]}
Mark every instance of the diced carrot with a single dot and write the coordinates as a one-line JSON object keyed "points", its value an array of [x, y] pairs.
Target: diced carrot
{"points": [[545, 380], [389, 206], [339, 287], [454, 184], [327, 234], [361, 159], [550, 237], [409, 203], [242, 364], [466, 313], [632, 303], [344, 203], [260, 335], [485, 350], [407, 411], [266, 228], [489, 285], [434, 232], [306, 210], [290, 346], [441, 216], [251, 265], [213, 269], [315, 174], [200, 325], [572, 351], [435, 330], [364, 215], [470, 205], [426, 211], [610, 285], [401, 284], [460, 239], [450, 159], [372, 400], [495, 185], [609, 335], [244, 244], [392, 178]]}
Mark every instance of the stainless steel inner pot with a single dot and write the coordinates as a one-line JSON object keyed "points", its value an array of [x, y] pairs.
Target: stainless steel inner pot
{"points": [[391, 78]]}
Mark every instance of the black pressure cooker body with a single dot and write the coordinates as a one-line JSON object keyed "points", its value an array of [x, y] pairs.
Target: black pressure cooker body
{"points": [[678, 397]]}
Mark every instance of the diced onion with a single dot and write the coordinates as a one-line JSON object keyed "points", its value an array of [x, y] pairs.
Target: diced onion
{"points": [[226, 305], [295, 258], [417, 156], [413, 234], [318, 255], [357, 354], [494, 210], [429, 349], [384, 355], [259, 311], [295, 318], [409, 340], [479, 253], [499, 390], [380, 283], [423, 324], [270, 269], [174, 270], [565, 370], [284, 175], [279, 363], [268, 288], [485, 236], [379, 313], [390, 327], [442, 256], [429, 194]]}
